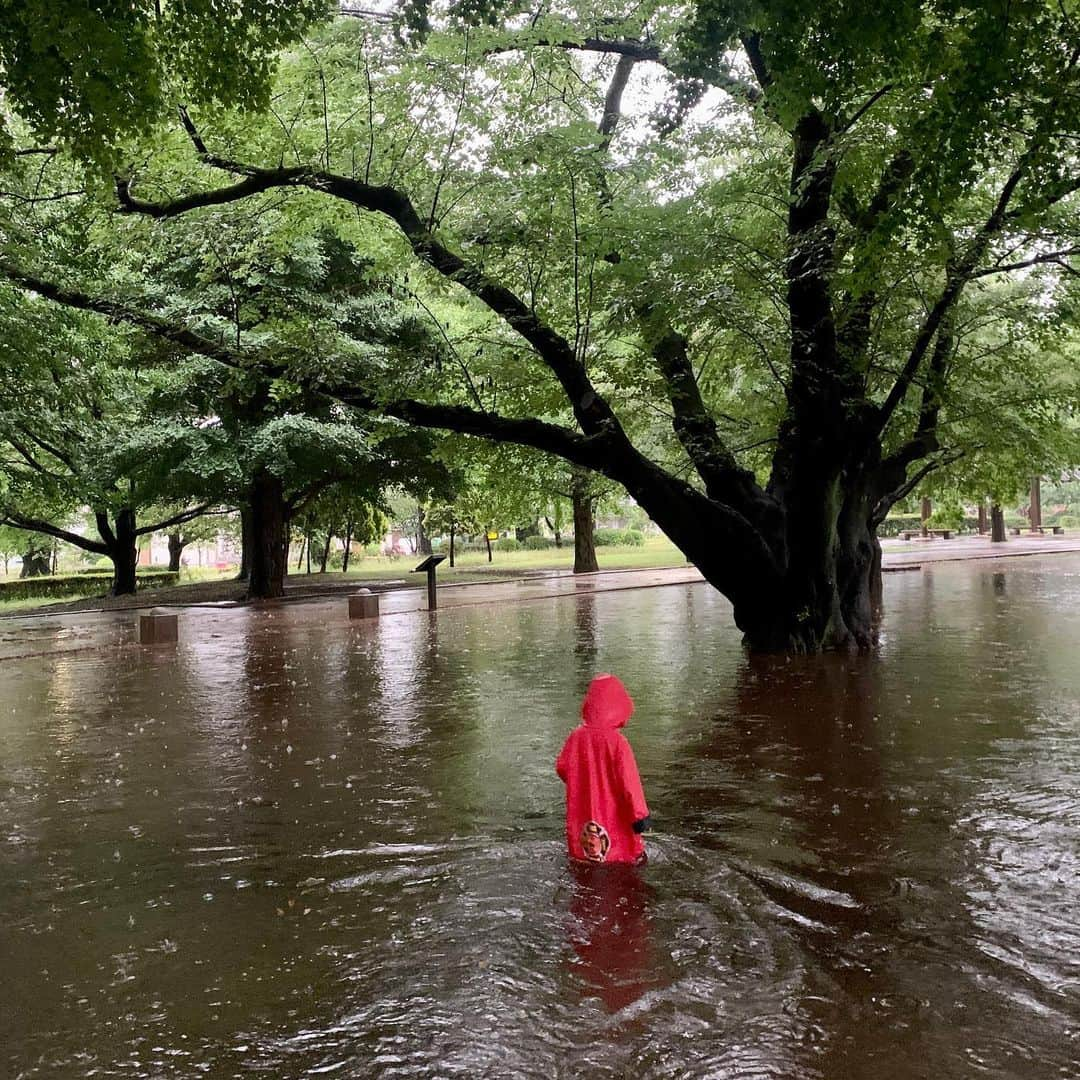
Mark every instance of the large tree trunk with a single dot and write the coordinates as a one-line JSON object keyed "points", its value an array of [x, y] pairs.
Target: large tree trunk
{"points": [[348, 546], [584, 524], [423, 541], [324, 558], [123, 553], [36, 561], [997, 524], [176, 549], [268, 528], [247, 543]]}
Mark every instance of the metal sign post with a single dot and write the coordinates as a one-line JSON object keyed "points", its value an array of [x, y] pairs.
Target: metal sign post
{"points": [[428, 566]]}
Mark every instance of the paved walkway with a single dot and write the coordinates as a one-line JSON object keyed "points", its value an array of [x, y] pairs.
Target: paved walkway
{"points": [[46, 635], [901, 553]]}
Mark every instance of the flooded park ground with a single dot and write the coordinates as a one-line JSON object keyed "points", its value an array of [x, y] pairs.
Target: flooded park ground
{"points": [[295, 846]]}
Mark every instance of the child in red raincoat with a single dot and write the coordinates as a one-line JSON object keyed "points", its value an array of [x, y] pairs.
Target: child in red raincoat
{"points": [[605, 804]]}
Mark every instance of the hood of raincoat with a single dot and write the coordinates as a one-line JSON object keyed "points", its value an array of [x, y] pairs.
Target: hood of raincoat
{"points": [[606, 704]]}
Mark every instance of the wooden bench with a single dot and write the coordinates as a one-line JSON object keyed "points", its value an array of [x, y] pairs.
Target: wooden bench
{"points": [[1042, 530], [910, 534]]}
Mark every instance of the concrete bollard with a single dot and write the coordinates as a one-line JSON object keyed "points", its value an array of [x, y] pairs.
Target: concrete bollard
{"points": [[364, 604], [159, 627]]}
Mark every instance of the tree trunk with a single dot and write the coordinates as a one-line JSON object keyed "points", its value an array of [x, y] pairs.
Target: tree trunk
{"points": [[556, 531], [303, 548], [982, 517], [487, 540], [268, 528], [423, 541], [325, 557], [36, 561], [348, 546], [176, 549], [1035, 509], [453, 531], [247, 542], [124, 554], [584, 524], [997, 524]]}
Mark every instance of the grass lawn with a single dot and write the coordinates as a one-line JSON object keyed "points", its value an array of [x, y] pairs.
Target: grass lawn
{"points": [[202, 585], [471, 565]]}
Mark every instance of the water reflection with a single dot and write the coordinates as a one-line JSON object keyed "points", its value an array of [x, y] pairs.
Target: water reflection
{"points": [[610, 933]]}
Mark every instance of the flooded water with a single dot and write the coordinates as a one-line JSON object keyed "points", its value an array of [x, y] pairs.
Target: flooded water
{"points": [[292, 846]]}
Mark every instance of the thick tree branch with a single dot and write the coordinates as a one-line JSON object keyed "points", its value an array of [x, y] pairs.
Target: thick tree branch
{"points": [[101, 519], [848, 122], [51, 448], [752, 44], [891, 498], [721, 77], [177, 334], [1035, 260], [612, 113], [695, 428], [39, 525], [177, 519]]}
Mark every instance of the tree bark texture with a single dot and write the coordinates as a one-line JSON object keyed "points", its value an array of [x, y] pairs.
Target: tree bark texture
{"points": [[348, 547], [269, 528], [36, 561], [123, 553], [423, 541], [247, 543], [176, 549], [997, 524], [584, 524]]}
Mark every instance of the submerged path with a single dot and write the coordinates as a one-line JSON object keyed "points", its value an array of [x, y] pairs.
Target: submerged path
{"points": [[46, 634]]}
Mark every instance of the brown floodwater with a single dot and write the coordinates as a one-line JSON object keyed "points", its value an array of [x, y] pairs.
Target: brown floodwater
{"points": [[292, 846]]}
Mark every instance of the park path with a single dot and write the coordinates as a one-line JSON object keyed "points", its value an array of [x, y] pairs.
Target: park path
{"points": [[46, 635]]}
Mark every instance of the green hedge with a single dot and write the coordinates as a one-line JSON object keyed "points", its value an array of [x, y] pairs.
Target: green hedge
{"points": [[507, 543], [75, 585], [618, 538], [538, 543]]}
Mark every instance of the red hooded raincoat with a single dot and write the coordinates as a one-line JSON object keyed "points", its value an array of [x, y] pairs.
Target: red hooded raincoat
{"points": [[603, 789]]}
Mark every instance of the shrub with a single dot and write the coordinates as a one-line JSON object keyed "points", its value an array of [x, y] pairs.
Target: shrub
{"points": [[632, 538], [538, 543], [507, 543], [605, 537], [69, 585]]}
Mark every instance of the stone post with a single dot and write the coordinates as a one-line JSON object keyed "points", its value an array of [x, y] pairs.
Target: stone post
{"points": [[158, 627], [364, 604]]}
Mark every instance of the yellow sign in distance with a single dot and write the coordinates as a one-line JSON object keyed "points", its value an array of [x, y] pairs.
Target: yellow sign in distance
{"points": [[493, 536]]}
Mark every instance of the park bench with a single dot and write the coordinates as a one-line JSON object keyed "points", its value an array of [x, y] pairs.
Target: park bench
{"points": [[1042, 530], [909, 534]]}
